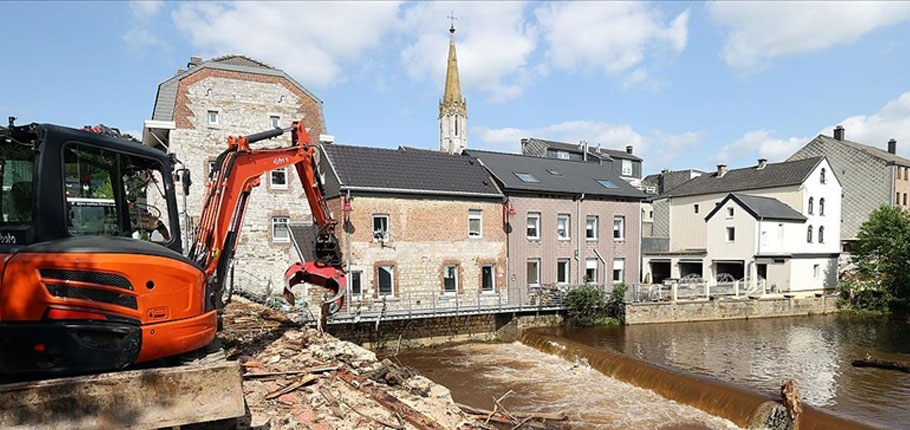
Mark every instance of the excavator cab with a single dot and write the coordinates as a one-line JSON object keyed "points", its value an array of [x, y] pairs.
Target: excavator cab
{"points": [[92, 274]]}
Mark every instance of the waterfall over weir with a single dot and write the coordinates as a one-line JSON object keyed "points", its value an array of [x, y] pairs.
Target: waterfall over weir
{"points": [[746, 408]]}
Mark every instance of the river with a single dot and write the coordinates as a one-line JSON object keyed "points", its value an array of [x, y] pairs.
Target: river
{"points": [[813, 351]]}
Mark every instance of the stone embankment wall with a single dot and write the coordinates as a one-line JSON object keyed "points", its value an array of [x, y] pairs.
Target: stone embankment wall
{"points": [[421, 332], [710, 310]]}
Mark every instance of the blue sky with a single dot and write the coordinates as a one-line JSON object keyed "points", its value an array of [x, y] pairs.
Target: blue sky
{"points": [[688, 84]]}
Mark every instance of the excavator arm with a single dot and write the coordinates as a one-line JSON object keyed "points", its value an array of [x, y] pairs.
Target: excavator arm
{"points": [[237, 171]]}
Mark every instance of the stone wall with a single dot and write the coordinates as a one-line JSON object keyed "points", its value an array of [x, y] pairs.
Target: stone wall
{"points": [[422, 332], [245, 102], [704, 310]]}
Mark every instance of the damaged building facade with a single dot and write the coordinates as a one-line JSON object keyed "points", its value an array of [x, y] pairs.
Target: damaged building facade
{"points": [[196, 110]]}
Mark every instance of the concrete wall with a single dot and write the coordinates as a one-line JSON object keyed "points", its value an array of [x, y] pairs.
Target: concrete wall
{"points": [[647, 313], [549, 249], [422, 332], [245, 102]]}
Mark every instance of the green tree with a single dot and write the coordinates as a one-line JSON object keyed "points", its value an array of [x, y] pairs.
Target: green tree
{"points": [[881, 256], [588, 305]]}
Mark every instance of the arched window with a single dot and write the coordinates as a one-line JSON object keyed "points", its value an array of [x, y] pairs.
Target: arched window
{"points": [[822, 176], [811, 205], [821, 234], [821, 206], [809, 235]]}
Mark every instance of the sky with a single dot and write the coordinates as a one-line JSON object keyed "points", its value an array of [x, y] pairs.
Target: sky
{"points": [[689, 85]]}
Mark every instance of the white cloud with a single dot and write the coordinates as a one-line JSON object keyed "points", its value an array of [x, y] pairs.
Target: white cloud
{"points": [[758, 144], [657, 147], [612, 37], [757, 32], [312, 41], [140, 39], [145, 9], [892, 121], [493, 42]]}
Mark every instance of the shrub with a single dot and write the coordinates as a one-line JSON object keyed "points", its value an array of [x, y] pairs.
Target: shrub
{"points": [[584, 305]]}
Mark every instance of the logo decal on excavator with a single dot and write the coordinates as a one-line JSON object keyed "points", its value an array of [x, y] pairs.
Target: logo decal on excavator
{"points": [[7, 239], [280, 160]]}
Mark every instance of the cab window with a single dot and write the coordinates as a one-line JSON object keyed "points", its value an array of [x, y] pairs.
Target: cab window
{"points": [[17, 163]]}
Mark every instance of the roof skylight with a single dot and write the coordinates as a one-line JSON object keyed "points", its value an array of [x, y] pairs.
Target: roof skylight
{"points": [[607, 184], [526, 177]]}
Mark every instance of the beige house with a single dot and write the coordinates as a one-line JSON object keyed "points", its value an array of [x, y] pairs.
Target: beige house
{"points": [[196, 110], [779, 222]]}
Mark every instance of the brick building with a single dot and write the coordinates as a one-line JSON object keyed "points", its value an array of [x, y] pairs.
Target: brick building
{"points": [[425, 228], [571, 222], [872, 177], [197, 109]]}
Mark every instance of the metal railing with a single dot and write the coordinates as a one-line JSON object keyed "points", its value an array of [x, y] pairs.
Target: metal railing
{"points": [[691, 288]]}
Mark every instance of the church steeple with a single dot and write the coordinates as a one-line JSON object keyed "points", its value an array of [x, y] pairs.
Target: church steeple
{"points": [[453, 114]]}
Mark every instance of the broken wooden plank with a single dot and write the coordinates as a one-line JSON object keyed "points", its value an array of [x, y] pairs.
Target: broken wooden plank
{"points": [[311, 370], [136, 399], [390, 402], [299, 382]]}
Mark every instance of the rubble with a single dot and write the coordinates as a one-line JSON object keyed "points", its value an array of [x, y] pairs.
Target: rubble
{"points": [[296, 377]]}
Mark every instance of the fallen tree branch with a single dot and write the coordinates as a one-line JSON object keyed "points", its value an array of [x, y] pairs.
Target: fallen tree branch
{"points": [[535, 415], [901, 366], [390, 402]]}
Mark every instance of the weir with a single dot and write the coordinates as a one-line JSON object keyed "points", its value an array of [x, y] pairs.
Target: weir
{"points": [[746, 408]]}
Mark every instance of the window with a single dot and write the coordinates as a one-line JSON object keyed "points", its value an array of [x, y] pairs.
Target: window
{"points": [[279, 179], [213, 117], [356, 278], [591, 271], [731, 234], [627, 167], [811, 205], [534, 272], [816, 270], [212, 168], [385, 281], [527, 177], [696, 208], [17, 177], [809, 234], [821, 176], [562, 155], [487, 278], [456, 126], [533, 225], [562, 227], [274, 121], [280, 232], [619, 270], [475, 223], [562, 271], [821, 234], [729, 212], [591, 227], [764, 238], [821, 206], [607, 184], [381, 227], [106, 193], [905, 199], [619, 228], [450, 279]]}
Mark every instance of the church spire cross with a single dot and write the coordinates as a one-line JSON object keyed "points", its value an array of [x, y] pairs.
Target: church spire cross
{"points": [[452, 18]]}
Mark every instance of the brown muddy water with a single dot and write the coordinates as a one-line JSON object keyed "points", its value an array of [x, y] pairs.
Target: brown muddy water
{"points": [[815, 352], [476, 373]]}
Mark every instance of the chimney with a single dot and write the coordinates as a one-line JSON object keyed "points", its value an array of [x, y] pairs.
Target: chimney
{"points": [[721, 170], [839, 132], [762, 163], [194, 61], [629, 149], [664, 171], [524, 143], [892, 146], [180, 70], [584, 149]]}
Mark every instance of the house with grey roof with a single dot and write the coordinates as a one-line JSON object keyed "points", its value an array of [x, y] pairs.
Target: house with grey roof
{"points": [[775, 225], [569, 222], [626, 164], [194, 112], [871, 176], [418, 229]]}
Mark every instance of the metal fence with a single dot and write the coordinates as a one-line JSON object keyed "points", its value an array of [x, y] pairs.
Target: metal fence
{"points": [[695, 289]]}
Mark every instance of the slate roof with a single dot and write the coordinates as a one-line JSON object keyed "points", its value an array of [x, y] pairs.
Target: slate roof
{"points": [[360, 168], [571, 177], [762, 207], [671, 179], [876, 152], [304, 238], [592, 149], [748, 178]]}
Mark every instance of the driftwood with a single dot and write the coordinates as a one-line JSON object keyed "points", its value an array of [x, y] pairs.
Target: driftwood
{"points": [[390, 402], [536, 415], [901, 366], [792, 400]]}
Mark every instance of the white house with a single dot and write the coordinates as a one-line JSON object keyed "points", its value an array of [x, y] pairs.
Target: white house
{"points": [[779, 222]]}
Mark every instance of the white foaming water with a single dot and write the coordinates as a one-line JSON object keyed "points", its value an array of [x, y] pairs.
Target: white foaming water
{"points": [[546, 383]]}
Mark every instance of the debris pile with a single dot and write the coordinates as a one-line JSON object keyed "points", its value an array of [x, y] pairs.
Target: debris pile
{"points": [[300, 378]]}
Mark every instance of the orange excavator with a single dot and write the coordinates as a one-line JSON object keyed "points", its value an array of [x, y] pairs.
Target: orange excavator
{"points": [[93, 275]]}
